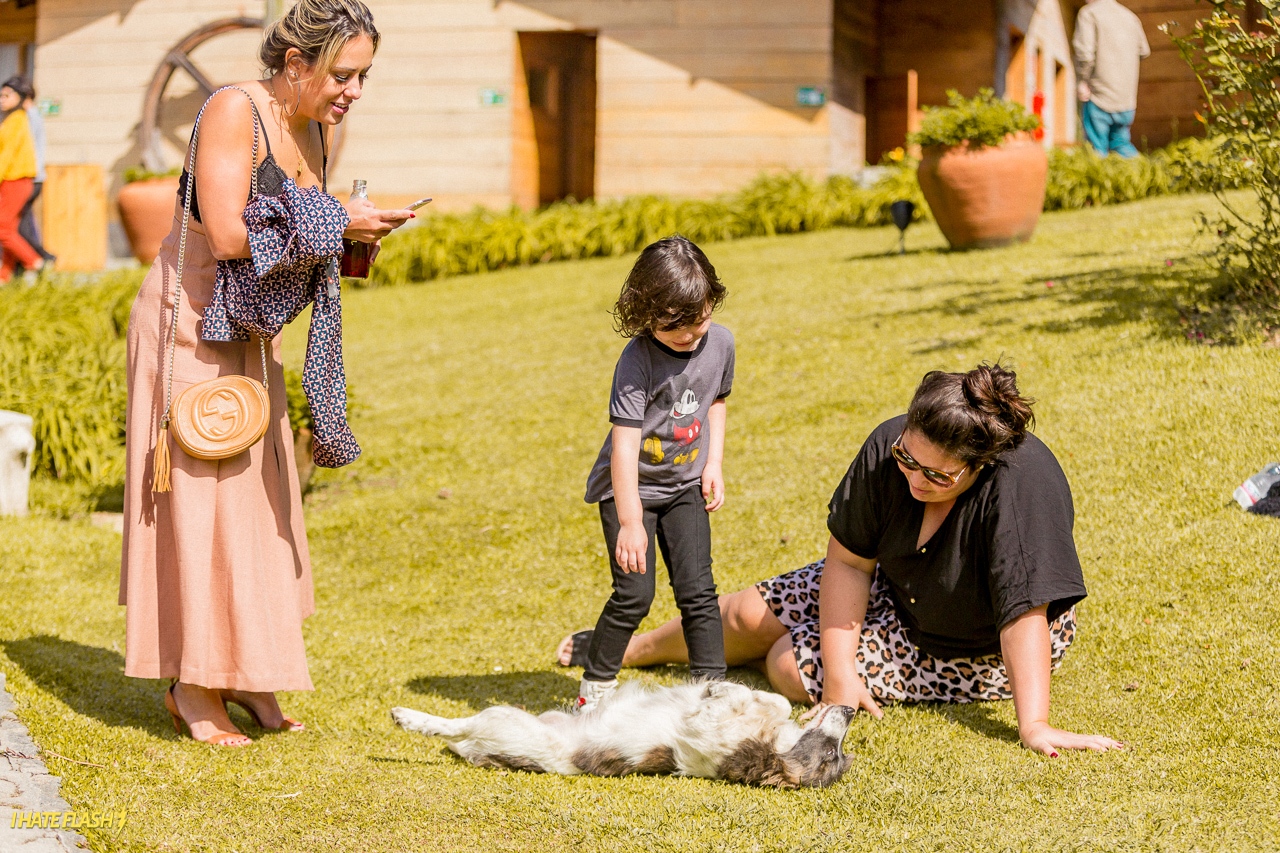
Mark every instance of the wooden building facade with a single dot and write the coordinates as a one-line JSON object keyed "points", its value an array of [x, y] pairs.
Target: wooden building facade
{"points": [[498, 102]]}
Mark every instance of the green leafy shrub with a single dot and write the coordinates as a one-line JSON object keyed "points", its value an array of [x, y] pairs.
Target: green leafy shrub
{"points": [[62, 361], [296, 399], [1237, 68], [1078, 177], [980, 121], [483, 240]]}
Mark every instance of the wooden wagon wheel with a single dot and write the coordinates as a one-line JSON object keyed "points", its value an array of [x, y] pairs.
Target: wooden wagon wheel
{"points": [[179, 57]]}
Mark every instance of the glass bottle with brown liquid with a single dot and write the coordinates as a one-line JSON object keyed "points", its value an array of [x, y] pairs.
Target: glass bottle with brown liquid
{"points": [[355, 254]]}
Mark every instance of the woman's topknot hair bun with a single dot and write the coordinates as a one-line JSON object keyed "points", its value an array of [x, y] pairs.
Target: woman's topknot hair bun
{"points": [[993, 391], [976, 416]]}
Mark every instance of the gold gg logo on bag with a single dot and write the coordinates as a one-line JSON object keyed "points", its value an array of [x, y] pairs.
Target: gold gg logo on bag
{"points": [[221, 417], [219, 413]]}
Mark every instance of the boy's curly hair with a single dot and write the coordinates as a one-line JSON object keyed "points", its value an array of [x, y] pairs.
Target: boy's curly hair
{"points": [[671, 285]]}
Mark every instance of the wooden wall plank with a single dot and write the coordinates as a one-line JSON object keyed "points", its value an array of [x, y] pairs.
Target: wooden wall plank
{"points": [[74, 216]]}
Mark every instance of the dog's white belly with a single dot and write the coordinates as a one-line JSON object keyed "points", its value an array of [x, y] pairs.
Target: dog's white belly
{"points": [[619, 738], [697, 725]]}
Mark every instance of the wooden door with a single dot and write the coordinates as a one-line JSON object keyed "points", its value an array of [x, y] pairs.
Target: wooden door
{"points": [[1015, 76], [1062, 99], [892, 112], [554, 152]]}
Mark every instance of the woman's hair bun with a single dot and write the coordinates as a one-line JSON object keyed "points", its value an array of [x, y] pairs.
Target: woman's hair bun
{"points": [[993, 390], [976, 416]]}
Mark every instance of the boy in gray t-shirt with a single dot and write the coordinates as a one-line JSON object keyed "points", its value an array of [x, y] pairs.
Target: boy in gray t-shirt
{"points": [[659, 472]]}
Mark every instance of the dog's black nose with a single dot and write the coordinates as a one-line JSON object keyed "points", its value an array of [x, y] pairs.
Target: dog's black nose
{"points": [[845, 711]]}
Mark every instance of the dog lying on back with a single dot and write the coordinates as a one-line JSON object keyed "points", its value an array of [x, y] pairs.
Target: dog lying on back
{"points": [[716, 730]]}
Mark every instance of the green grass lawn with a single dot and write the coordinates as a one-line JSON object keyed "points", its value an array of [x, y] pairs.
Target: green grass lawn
{"points": [[455, 554]]}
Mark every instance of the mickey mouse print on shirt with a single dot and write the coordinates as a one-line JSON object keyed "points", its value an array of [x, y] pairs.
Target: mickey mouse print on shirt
{"points": [[675, 438], [687, 427], [666, 395]]}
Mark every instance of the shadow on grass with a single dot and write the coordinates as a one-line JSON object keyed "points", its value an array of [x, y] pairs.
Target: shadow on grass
{"points": [[91, 681], [979, 717], [1126, 295], [534, 691], [411, 762], [893, 253], [1117, 296], [944, 345]]}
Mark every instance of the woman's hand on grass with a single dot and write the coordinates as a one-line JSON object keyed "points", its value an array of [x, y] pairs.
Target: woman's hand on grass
{"points": [[633, 542], [1047, 740]]}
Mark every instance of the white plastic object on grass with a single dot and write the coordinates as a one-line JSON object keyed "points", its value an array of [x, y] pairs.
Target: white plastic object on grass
{"points": [[17, 449], [1256, 487]]}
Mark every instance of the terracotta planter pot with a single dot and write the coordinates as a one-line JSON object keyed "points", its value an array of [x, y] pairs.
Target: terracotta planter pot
{"points": [[146, 212], [987, 196]]}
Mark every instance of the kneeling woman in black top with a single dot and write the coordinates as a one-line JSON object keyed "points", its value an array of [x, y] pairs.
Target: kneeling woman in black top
{"points": [[951, 574]]}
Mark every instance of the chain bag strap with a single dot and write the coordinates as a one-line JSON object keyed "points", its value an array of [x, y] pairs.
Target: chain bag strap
{"points": [[218, 418]]}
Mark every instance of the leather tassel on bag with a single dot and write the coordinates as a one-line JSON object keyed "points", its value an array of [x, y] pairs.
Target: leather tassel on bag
{"points": [[160, 467]]}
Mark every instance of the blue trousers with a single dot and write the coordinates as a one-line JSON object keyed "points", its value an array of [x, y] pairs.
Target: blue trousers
{"points": [[1106, 131]]}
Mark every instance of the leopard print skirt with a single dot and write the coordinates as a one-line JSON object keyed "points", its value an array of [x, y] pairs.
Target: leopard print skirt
{"points": [[892, 667]]}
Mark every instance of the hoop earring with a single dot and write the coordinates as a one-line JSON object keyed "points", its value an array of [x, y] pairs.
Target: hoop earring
{"points": [[293, 84]]}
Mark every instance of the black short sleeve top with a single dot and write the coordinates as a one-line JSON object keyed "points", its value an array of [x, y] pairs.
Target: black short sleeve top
{"points": [[1005, 547]]}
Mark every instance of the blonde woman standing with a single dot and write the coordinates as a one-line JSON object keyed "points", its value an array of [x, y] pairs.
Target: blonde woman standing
{"points": [[216, 573]]}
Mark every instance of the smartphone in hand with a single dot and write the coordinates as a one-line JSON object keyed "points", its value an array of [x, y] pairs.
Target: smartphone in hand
{"points": [[417, 204]]}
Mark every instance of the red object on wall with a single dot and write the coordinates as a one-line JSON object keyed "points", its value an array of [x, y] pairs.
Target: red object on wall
{"points": [[1037, 107]]}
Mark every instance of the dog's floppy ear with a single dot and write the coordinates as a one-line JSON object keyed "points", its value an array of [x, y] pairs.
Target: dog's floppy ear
{"points": [[756, 762]]}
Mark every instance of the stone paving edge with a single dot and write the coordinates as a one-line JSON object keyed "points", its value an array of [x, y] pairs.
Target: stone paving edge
{"points": [[27, 786]]}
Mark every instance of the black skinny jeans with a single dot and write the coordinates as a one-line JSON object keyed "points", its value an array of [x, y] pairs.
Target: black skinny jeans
{"points": [[683, 532]]}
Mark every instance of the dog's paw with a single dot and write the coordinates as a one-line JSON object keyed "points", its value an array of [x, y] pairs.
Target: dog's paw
{"points": [[411, 720]]}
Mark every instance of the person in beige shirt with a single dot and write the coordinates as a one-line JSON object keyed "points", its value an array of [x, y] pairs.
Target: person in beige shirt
{"points": [[1109, 44]]}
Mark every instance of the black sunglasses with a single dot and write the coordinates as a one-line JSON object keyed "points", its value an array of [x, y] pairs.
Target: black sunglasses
{"points": [[933, 475]]}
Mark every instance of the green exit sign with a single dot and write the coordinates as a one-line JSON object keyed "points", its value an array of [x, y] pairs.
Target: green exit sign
{"points": [[492, 97], [50, 107], [810, 96]]}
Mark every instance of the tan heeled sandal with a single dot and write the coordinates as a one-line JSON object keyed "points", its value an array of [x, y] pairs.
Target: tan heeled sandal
{"points": [[289, 724], [219, 739]]}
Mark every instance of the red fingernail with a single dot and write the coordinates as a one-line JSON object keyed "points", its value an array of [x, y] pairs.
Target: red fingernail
{"points": [[413, 216], [1053, 755]]}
